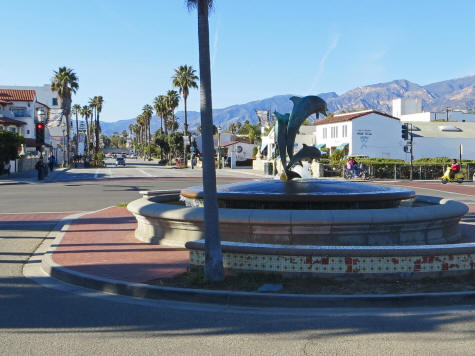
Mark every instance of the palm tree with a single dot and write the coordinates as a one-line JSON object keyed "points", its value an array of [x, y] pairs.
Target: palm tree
{"points": [[86, 112], [65, 83], [172, 100], [184, 79], [213, 255], [76, 109], [96, 104], [147, 115], [160, 108]]}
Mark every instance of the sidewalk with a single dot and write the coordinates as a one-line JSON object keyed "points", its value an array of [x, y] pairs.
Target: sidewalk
{"points": [[103, 244], [29, 177], [98, 250]]}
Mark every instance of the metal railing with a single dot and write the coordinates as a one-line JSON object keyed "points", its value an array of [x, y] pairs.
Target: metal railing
{"points": [[402, 171]]}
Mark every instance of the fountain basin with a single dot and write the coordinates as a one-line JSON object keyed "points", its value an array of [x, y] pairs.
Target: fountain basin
{"points": [[163, 219], [301, 194]]}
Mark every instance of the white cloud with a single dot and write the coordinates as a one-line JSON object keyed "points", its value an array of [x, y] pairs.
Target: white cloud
{"points": [[215, 44], [321, 65]]}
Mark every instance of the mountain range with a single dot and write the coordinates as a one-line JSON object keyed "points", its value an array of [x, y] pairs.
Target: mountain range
{"points": [[457, 94]]}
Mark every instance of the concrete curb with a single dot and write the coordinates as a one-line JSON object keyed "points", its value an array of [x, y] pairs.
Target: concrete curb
{"points": [[248, 299]]}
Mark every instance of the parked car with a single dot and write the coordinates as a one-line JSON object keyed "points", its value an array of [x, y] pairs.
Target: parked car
{"points": [[120, 161]]}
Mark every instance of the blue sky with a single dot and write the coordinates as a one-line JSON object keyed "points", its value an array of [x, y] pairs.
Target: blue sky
{"points": [[126, 51]]}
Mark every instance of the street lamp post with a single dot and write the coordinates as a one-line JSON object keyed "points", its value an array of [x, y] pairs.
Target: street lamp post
{"points": [[219, 148]]}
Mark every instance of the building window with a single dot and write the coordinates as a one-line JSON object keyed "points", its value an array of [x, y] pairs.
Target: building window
{"points": [[19, 112], [324, 132], [334, 132], [54, 101], [11, 129], [345, 131], [27, 132], [1, 128]]}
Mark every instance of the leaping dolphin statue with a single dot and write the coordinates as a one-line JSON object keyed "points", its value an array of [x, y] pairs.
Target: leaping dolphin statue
{"points": [[281, 132], [303, 108], [307, 153]]}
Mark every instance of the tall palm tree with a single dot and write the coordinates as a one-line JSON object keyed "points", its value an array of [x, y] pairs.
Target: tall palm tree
{"points": [[65, 83], [147, 115], [213, 255], [159, 104], [184, 79], [76, 109], [86, 112], [96, 103], [172, 100]]}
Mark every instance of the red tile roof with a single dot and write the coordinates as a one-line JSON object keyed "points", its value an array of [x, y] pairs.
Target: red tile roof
{"points": [[8, 121], [17, 95], [5, 102], [351, 116]]}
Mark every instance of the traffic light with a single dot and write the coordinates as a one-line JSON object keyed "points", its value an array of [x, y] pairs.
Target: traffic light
{"points": [[405, 131], [40, 135]]}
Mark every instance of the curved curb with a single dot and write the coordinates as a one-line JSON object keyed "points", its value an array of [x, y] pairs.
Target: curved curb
{"points": [[249, 299]]}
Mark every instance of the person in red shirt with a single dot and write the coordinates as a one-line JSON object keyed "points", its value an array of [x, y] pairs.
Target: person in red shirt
{"points": [[454, 168]]}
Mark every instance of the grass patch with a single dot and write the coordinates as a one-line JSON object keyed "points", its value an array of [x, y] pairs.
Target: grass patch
{"points": [[250, 282], [121, 205]]}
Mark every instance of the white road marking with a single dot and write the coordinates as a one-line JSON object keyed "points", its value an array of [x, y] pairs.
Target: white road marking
{"points": [[146, 173]]}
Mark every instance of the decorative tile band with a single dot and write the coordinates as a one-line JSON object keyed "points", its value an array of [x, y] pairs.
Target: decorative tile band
{"points": [[345, 265]]}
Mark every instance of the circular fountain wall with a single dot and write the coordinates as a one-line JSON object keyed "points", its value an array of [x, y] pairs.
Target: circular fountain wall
{"points": [[301, 194], [269, 221]]}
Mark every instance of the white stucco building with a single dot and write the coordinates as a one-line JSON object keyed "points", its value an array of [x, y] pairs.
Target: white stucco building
{"points": [[437, 134], [363, 133], [410, 110]]}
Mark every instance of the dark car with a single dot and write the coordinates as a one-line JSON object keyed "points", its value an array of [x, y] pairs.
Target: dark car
{"points": [[120, 162]]}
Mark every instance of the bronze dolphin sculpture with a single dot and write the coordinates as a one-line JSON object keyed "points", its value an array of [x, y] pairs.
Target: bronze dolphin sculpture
{"points": [[281, 132], [307, 153], [303, 108]]}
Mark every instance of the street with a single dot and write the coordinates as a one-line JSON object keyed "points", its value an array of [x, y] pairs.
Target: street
{"points": [[59, 319]]}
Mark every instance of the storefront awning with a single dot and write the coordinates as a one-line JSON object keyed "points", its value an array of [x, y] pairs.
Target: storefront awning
{"points": [[320, 146], [342, 146]]}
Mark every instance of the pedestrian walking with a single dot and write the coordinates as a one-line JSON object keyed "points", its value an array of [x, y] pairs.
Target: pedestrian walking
{"points": [[7, 168], [51, 162], [39, 166]]}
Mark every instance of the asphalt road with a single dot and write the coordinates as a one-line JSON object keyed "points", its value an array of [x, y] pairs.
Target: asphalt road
{"points": [[62, 320]]}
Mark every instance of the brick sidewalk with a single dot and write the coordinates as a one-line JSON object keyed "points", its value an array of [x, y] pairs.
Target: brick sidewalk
{"points": [[103, 244]]}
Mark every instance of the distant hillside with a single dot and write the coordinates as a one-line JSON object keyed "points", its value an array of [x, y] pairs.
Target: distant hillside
{"points": [[455, 93]]}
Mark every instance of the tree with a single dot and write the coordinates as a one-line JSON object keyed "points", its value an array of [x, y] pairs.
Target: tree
{"points": [[172, 100], [9, 143], [147, 115], [96, 103], [175, 141], [76, 109], [86, 112], [65, 83], [184, 79], [213, 255], [160, 108], [162, 142]]}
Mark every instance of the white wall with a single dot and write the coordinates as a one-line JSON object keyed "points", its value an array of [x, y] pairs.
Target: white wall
{"points": [[377, 136], [330, 141], [406, 106], [420, 117], [442, 147]]}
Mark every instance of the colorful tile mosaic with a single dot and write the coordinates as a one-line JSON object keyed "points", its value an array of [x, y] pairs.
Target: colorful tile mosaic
{"points": [[322, 264]]}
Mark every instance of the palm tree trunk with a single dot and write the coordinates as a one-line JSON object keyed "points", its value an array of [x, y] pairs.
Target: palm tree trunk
{"points": [[86, 140], [213, 259], [96, 150], [185, 127], [77, 135]]}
